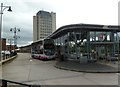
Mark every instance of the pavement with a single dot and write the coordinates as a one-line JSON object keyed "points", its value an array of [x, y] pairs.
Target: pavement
{"points": [[88, 67], [8, 59]]}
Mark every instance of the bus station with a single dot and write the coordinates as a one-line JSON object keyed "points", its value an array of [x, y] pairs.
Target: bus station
{"points": [[87, 42], [81, 47]]}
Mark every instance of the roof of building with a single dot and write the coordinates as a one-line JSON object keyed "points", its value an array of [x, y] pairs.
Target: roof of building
{"points": [[83, 27], [43, 13]]}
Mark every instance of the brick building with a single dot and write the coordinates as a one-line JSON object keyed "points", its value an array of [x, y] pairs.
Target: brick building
{"points": [[10, 47], [3, 44]]}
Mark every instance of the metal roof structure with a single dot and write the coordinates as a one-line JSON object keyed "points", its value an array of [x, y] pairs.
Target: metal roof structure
{"points": [[83, 27]]}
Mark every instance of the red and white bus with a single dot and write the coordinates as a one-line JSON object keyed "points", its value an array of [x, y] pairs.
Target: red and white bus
{"points": [[43, 49]]}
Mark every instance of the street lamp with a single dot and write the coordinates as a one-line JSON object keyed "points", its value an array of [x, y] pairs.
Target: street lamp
{"points": [[1, 12], [15, 35]]}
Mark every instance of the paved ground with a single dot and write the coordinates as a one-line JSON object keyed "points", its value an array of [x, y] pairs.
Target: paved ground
{"points": [[39, 72], [104, 67]]}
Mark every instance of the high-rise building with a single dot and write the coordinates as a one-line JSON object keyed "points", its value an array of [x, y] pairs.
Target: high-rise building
{"points": [[44, 23]]}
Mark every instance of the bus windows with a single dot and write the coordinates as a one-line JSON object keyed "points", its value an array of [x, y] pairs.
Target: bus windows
{"points": [[43, 48], [41, 51]]}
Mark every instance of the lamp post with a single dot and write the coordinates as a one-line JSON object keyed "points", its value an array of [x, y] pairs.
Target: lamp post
{"points": [[15, 35], [1, 12], [10, 44]]}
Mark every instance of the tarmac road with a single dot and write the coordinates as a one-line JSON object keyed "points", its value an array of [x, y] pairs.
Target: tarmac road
{"points": [[32, 71]]}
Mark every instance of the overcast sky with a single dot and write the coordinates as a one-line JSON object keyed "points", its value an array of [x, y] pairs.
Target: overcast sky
{"points": [[67, 12]]}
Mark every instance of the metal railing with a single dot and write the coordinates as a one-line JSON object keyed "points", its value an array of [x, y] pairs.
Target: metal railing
{"points": [[6, 83]]}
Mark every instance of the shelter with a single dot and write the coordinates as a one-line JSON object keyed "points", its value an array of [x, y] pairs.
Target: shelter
{"points": [[87, 42]]}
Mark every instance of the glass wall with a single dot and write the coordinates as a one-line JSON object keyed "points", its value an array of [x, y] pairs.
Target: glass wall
{"points": [[104, 45], [91, 45]]}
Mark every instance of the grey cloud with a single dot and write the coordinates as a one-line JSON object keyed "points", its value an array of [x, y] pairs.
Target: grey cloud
{"points": [[22, 17], [23, 11]]}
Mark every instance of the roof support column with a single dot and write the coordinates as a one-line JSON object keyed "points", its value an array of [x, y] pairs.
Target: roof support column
{"points": [[68, 52], [76, 48], [88, 44]]}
